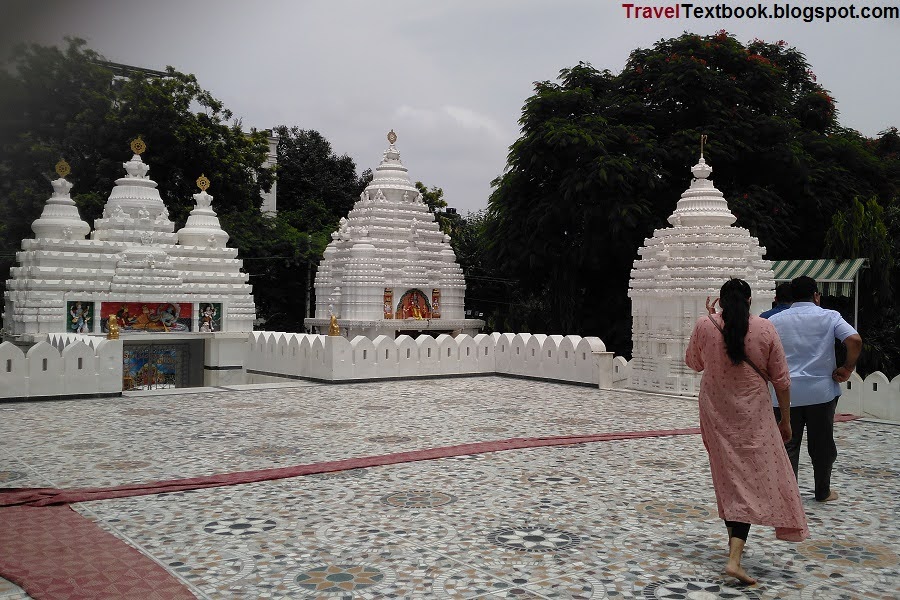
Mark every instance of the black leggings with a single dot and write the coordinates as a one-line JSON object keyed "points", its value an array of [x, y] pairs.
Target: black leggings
{"points": [[738, 529]]}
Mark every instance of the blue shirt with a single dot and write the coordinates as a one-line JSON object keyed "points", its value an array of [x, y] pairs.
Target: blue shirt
{"points": [[774, 311], [807, 333]]}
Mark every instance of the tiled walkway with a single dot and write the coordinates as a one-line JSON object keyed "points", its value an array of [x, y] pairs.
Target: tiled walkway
{"points": [[618, 519]]}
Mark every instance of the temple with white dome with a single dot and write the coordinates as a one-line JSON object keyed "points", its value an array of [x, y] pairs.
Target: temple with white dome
{"points": [[389, 269], [180, 300], [680, 266]]}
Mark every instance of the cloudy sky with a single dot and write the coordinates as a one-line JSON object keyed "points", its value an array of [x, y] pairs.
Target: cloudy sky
{"points": [[450, 77]]}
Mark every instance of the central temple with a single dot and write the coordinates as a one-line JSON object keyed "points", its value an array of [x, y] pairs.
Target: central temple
{"points": [[389, 269]]}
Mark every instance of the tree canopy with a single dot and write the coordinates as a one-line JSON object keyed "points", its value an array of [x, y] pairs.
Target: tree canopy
{"points": [[316, 188], [603, 158]]}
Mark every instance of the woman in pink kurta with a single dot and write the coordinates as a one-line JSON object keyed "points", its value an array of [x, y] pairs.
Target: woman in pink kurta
{"points": [[751, 472]]}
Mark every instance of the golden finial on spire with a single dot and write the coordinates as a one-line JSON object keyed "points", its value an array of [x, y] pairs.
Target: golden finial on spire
{"points": [[702, 142], [392, 137], [138, 146], [203, 182], [63, 168]]}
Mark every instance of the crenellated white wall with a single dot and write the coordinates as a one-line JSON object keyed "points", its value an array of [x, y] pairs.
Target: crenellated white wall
{"points": [[69, 364], [64, 365], [875, 396], [274, 356]]}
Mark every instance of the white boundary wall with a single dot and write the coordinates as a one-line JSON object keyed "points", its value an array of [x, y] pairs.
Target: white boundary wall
{"points": [[64, 365], [874, 397], [70, 364], [274, 356]]}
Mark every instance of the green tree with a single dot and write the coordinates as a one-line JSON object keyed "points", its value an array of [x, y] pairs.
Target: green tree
{"points": [[603, 158], [316, 188], [866, 230], [448, 220]]}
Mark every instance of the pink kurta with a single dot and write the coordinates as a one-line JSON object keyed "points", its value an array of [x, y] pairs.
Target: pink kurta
{"points": [[751, 472]]}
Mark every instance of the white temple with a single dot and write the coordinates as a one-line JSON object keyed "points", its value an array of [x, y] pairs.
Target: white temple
{"points": [[159, 286], [679, 268], [389, 269]]}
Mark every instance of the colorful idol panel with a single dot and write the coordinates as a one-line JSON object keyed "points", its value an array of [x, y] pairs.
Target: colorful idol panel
{"points": [[155, 317]]}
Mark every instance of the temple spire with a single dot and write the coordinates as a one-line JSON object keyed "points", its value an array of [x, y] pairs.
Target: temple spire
{"points": [[60, 218]]}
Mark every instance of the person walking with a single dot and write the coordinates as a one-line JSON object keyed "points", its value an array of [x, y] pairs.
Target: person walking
{"points": [[808, 332], [738, 353]]}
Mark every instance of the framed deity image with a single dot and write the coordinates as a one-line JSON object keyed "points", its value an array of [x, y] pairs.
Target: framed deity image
{"points": [[435, 303], [80, 316], [209, 315], [388, 303]]}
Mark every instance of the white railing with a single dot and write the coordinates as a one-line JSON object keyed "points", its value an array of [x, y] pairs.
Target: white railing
{"points": [[65, 365], [274, 356]]}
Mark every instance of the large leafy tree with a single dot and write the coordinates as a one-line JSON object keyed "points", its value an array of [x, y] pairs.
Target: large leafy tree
{"points": [[867, 230], [603, 158], [69, 103], [316, 187], [433, 197]]}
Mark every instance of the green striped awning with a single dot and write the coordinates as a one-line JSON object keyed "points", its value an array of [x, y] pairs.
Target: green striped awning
{"points": [[835, 277]]}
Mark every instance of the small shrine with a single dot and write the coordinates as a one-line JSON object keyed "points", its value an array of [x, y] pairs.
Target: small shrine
{"points": [[680, 266], [177, 299], [388, 268]]}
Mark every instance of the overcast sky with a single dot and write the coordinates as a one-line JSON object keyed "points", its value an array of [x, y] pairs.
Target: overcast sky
{"points": [[449, 77]]}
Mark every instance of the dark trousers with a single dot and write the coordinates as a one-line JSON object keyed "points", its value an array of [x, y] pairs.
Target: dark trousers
{"points": [[738, 529], [818, 420]]}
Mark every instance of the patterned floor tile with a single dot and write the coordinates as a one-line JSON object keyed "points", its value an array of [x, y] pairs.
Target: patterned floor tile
{"points": [[607, 520]]}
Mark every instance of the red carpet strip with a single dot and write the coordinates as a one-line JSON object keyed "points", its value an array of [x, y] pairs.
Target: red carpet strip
{"points": [[54, 553], [52, 497]]}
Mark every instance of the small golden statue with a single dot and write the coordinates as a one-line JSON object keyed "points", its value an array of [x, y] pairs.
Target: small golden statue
{"points": [[112, 330], [203, 182], [333, 328]]}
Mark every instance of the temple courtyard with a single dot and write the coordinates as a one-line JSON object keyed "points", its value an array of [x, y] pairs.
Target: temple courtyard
{"points": [[615, 518]]}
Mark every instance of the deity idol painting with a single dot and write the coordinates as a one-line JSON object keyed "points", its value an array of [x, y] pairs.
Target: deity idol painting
{"points": [[435, 303], [157, 317], [413, 305], [210, 316], [388, 303], [81, 316], [145, 369]]}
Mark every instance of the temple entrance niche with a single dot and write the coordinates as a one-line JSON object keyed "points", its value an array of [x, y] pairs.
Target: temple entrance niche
{"points": [[151, 365], [413, 304], [155, 366]]}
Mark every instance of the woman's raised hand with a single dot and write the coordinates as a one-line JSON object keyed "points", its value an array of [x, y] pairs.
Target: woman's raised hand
{"points": [[711, 306]]}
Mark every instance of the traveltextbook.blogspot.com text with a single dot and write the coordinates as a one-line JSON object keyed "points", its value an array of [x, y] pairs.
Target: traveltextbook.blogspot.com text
{"points": [[807, 13]]}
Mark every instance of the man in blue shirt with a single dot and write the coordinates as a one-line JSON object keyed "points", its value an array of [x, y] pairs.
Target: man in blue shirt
{"points": [[807, 333], [783, 299]]}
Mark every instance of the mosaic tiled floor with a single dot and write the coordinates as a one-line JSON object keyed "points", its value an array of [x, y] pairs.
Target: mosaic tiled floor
{"points": [[619, 519]]}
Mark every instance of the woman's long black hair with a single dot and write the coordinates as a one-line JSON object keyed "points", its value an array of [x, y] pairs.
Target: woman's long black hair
{"points": [[733, 299]]}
